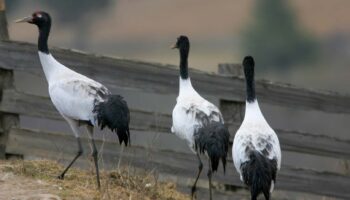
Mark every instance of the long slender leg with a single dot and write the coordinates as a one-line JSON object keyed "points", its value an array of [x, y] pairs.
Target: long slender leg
{"points": [[254, 197], [90, 130], [75, 128], [210, 172], [200, 167], [267, 195]]}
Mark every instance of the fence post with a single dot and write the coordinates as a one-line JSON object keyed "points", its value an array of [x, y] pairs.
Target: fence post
{"points": [[7, 120], [4, 34], [232, 111], [230, 69]]}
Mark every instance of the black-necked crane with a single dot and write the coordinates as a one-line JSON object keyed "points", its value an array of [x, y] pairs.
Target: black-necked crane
{"points": [[198, 121], [79, 99], [256, 150]]}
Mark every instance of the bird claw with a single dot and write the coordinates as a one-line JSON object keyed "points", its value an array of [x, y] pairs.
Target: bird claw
{"points": [[193, 193], [61, 177]]}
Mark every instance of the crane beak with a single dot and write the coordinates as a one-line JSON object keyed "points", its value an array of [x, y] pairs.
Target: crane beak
{"points": [[25, 19], [174, 46]]}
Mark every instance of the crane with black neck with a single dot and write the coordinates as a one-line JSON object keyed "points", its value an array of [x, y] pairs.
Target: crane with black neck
{"points": [[256, 149], [197, 121], [79, 99]]}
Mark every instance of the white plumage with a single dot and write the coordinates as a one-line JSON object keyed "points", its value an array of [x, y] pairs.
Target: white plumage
{"points": [[255, 133], [191, 112], [74, 95]]}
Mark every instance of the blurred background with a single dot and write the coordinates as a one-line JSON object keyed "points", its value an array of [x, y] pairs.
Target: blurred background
{"points": [[306, 43]]}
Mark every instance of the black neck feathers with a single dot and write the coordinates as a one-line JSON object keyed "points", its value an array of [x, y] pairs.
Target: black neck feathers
{"points": [[43, 21], [44, 32], [183, 44], [184, 63], [248, 65]]}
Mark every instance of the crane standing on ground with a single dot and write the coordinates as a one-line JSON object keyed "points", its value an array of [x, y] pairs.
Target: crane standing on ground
{"points": [[79, 99]]}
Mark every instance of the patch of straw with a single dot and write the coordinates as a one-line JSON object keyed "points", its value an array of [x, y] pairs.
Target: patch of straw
{"points": [[81, 184]]}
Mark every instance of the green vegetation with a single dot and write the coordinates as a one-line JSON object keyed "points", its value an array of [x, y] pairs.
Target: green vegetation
{"points": [[274, 38]]}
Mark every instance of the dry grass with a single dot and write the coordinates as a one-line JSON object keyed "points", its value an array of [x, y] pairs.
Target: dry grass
{"points": [[80, 184]]}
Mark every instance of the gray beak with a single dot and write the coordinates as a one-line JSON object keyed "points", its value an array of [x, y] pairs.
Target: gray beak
{"points": [[25, 19], [174, 46]]}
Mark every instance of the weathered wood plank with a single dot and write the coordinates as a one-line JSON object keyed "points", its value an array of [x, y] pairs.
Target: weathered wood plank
{"points": [[24, 104], [38, 106], [7, 120], [159, 78], [40, 144], [230, 69], [295, 141], [314, 144], [301, 142], [234, 192]]}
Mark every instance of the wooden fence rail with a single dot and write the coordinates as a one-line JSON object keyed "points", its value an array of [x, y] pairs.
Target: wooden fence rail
{"points": [[31, 105], [159, 78]]}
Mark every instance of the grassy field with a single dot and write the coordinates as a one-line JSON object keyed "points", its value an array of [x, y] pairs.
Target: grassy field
{"points": [[36, 180]]}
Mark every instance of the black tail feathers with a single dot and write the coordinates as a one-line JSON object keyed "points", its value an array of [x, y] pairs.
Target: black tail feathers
{"points": [[258, 173], [114, 113], [213, 139]]}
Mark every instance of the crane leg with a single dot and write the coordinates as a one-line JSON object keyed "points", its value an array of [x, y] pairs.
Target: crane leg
{"points": [[90, 130], [75, 128], [267, 195], [200, 167], [210, 172]]}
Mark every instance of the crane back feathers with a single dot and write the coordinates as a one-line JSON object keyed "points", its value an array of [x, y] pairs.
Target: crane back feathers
{"points": [[95, 90], [191, 114], [213, 139], [202, 117], [258, 173], [114, 113], [80, 98], [256, 152], [109, 110]]}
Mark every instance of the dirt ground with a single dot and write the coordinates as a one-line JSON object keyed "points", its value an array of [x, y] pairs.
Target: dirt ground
{"points": [[36, 180]]}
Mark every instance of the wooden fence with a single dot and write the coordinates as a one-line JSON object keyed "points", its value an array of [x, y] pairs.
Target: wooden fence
{"points": [[153, 147]]}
